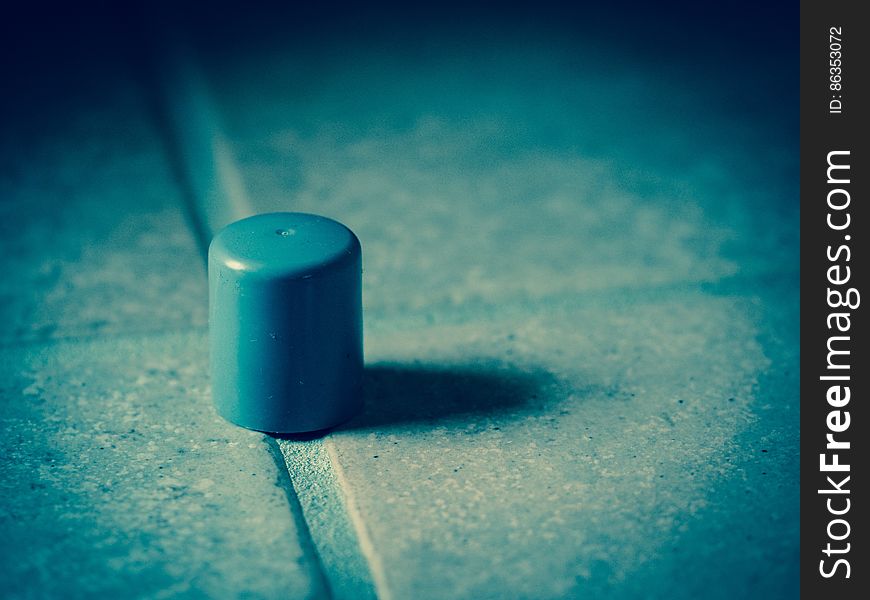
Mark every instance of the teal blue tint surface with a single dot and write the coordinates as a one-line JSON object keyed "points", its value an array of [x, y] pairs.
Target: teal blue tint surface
{"points": [[581, 310], [285, 321]]}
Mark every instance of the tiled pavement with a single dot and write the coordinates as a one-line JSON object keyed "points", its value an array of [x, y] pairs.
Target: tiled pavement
{"points": [[581, 339]]}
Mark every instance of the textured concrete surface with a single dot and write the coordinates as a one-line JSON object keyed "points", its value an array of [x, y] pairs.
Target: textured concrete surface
{"points": [[119, 480], [543, 456], [581, 315]]}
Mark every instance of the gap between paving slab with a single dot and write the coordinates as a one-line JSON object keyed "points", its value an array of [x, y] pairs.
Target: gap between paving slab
{"points": [[215, 196]]}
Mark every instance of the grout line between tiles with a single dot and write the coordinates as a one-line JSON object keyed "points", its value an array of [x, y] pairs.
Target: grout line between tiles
{"points": [[366, 546], [340, 549], [332, 518]]}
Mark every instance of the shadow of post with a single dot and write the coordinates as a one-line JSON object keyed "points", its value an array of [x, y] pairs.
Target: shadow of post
{"points": [[405, 394], [399, 394]]}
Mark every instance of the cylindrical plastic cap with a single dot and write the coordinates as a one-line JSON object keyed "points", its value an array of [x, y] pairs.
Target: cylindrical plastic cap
{"points": [[285, 322]]}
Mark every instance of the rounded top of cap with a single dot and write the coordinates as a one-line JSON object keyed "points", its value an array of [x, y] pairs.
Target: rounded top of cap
{"points": [[286, 244]]}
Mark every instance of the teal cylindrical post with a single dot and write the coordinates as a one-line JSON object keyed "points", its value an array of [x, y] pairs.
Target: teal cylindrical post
{"points": [[285, 322]]}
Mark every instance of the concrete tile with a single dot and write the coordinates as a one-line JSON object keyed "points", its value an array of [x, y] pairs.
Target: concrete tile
{"points": [[92, 233], [583, 451], [121, 481]]}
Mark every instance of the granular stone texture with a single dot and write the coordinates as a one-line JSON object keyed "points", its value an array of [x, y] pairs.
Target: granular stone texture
{"points": [[539, 455], [119, 480]]}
